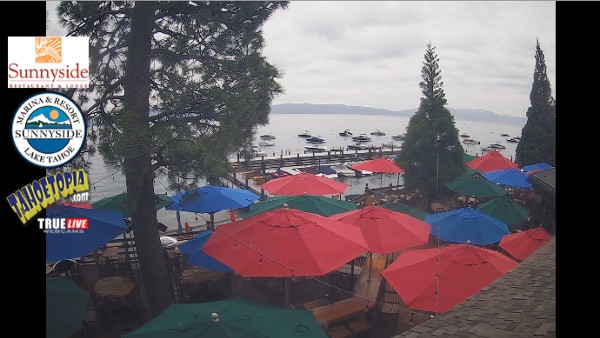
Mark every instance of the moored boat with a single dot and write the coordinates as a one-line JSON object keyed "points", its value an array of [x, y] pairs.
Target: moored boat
{"points": [[497, 146], [464, 135], [346, 133], [470, 141], [315, 139], [305, 134], [267, 137], [316, 149], [361, 138], [399, 137], [378, 133]]}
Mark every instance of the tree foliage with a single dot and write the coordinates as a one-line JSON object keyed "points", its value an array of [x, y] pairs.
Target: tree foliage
{"points": [[431, 147], [176, 87], [538, 137]]}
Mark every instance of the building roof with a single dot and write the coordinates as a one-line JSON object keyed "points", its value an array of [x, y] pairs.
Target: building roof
{"points": [[544, 179], [521, 303]]}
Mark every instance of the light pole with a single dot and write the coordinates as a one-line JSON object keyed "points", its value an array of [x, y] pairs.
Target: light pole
{"points": [[437, 167]]}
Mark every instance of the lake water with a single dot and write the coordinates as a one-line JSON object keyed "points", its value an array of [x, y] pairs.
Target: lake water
{"points": [[107, 180]]}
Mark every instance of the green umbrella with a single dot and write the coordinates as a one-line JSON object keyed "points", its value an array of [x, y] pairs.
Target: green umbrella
{"points": [[235, 317], [65, 307], [122, 203], [468, 158], [505, 210], [320, 205], [475, 185], [406, 209]]}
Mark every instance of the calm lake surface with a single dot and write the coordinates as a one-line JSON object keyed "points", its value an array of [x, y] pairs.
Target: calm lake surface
{"points": [[107, 180]]}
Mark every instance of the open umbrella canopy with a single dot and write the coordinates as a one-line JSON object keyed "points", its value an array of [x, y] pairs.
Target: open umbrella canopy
{"points": [[210, 199], [304, 183], [406, 209], [522, 244], [285, 243], [386, 231], [65, 307], [320, 205], [467, 157], [505, 210], [122, 203], [103, 226], [467, 225], [475, 185], [490, 162], [230, 318], [528, 169], [380, 165], [197, 257], [510, 177], [462, 270]]}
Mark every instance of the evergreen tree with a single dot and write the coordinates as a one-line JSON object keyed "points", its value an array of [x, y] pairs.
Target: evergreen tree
{"points": [[177, 87], [538, 137], [431, 147]]}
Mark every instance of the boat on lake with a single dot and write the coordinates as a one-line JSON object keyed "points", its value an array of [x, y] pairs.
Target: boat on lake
{"points": [[470, 141], [464, 135], [378, 133], [266, 143], [305, 134], [346, 133], [267, 137], [399, 137], [497, 146], [361, 138], [315, 139], [316, 149]]}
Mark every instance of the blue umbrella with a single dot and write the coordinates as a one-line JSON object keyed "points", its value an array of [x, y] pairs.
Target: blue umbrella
{"points": [[103, 226], [467, 224], [197, 257], [536, 167], [210, 199], [511, 177]]}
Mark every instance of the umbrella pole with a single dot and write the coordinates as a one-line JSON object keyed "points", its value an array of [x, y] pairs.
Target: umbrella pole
{"points": [[370, 266], [212, 221], [179, 227], [286, 290]]}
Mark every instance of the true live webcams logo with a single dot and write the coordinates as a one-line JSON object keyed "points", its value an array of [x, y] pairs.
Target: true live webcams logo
{"points": [[32, 198], [63, 225], [48, 129], [48, 62]]}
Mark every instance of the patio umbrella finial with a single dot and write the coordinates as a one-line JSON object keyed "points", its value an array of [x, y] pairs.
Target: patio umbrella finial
{"points": [[214, 317], [285, 205]]}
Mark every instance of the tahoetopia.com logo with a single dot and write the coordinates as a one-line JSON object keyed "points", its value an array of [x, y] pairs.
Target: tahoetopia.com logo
{"points": [[63, 225], [29, 200], [48, 129]]}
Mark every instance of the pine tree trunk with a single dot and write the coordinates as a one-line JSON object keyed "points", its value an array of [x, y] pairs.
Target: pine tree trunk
{"points": [[138, 169]]}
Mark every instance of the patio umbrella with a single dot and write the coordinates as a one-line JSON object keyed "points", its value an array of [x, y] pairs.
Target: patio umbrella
{"points": [[65, 307], [467, 157], [122, 203], [523, 243], [406, 209], [467, 224], [505, 210], [427, 283], [82, 205], [103, 226], [320, 205], [234, 317], [536, 167], [304, 183], [386, 231], [381, 166], [510, 177], [491, 161], [199, 258], [210, 199], [475, 185]]}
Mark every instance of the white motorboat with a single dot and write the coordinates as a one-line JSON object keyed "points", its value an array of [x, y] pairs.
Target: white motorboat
{"points": [[399, 137], [378, 133], [305, 134], [346, 133], [343, 171], [266, 143], [361, 138], [267, 137], [470, 141], [316, 149], [497, 146], [315, 139]]}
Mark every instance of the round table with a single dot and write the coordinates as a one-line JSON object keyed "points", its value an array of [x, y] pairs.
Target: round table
{"points": [[114, 286], [195, 275]]}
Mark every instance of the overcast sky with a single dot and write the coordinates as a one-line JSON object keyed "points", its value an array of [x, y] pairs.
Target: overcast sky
{"points": [[370, 53]]}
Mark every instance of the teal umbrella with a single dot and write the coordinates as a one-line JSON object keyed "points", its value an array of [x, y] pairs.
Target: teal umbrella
{"points": [[475, 185], [234, 317], [406, 209], [320, 205], [122, 203], [505, 210], [65, 307]]}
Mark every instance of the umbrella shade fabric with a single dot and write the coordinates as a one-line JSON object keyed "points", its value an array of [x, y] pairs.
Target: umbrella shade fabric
{"points": [[475, 185], [463, 271], [467, 224], [65, 307], [380, 165], [490, 162], [386, 231], [285, 243], [510, 177], [505, 210], [406, 209], [528, 169], [304, 184], [210, 199], [197, 257], [82, 205], [522, 244], [122, 203], [237, 318], [103, 226], [467, 157], [320, 205]]}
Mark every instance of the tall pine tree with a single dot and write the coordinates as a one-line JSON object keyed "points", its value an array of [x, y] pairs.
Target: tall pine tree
{"points": [[538, 137], [431, 153]]}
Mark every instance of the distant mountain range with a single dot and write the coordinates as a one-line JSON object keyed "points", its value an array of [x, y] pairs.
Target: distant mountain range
{"points": [[478, 115]]}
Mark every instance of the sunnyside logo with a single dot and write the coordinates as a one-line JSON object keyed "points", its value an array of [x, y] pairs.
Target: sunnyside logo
{"points": [[48, 62], [30, 199], [48, 129]]}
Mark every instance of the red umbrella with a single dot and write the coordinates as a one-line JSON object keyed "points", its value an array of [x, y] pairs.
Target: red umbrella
{"points": [[522, 244], [304, 183], [285, 243], [490, 162], [386, 231], [81, 205], [381, 165], [462, 270]]}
